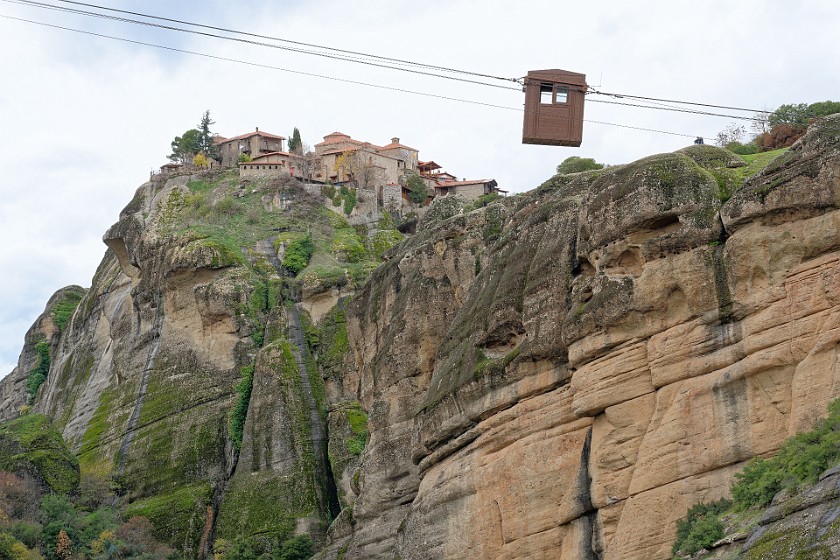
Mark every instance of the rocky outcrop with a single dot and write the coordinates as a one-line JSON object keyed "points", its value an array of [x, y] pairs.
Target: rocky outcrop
{"points": [[560, 374], [563, 374], [13, 389], [179, 328]]}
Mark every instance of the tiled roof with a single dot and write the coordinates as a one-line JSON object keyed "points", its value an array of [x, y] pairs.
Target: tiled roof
{"points": [[373, 151], [491, 182], [335, 138], [255, 133], [274, 154], [395, 145]]}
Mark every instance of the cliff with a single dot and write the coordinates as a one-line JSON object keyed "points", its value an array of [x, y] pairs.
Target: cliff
{"points": [[564, 374], [560, 374]]}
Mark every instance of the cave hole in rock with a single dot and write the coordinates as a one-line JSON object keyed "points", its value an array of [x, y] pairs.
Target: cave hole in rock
{"points": [[656, 227], [584, 267], [630, 262]]}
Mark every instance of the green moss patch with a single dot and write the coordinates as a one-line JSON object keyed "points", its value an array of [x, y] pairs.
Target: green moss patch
{"points": [[31, 444], [38, 374], [240, 409], [178, 517], [64, 307]]}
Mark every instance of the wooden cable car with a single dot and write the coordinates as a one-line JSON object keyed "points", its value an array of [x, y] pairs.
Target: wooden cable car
{"points": [[554, 108]]}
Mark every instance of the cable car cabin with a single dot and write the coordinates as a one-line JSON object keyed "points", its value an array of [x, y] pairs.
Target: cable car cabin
{"points": [[554, 108]]}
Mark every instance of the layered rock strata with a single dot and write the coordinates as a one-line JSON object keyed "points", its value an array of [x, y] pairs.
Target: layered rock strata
{"points": [[562, 375]]}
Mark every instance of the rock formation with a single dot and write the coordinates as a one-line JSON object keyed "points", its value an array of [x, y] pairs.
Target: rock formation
{"points": [[558, 375], [564, 374]]}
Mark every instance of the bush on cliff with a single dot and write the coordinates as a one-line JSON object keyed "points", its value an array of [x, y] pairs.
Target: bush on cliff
{"points": [[800, 460], [701, 527]]}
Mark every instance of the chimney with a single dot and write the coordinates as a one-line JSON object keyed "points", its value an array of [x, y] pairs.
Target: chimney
{"points": [[258, 129], [395, 140]]}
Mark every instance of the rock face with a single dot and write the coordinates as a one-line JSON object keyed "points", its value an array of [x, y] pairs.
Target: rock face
{"points": [[564, 374], [559, 375], [178, 329]]}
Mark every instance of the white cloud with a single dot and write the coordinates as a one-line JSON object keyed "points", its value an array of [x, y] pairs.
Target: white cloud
{"points": [[84, 119]]}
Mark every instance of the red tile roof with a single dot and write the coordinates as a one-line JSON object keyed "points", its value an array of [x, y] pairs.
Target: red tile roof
{"points": [[395, 145], [428, 165]]}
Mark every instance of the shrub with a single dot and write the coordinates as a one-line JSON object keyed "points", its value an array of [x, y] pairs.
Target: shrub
{"points": [[742, 149], [780, 136], [298, 547], [700, 528], [226, 207], [575, 164], [349, 197], [297, 254], [800, 460]]}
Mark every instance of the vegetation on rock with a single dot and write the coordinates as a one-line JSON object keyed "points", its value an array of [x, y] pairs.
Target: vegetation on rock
{"points": [[576, 164], [30, 444], [38, 374], [240, 410], [798, 463], [64, 307]]}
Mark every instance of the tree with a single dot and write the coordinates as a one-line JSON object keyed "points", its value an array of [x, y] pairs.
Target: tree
{"points": [[577, 164], [200, 160], [205, 140], [357, 167], [824, 108], [295, 144], [761, 122], [794, 114], [185, 147], [306, 163], [733, 133], [417, 189]]}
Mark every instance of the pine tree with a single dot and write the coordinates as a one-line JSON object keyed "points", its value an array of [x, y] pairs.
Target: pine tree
{"points": [[205, 141], [295, 142]]}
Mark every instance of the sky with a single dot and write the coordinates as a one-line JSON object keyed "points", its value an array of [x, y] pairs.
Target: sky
{"points": [[84, 119]]}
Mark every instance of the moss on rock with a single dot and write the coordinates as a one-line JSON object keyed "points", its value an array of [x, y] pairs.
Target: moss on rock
{"points": [[31, 445]]}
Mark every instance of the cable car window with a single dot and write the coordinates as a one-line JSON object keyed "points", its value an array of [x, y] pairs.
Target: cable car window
{"points": [[561, 95], [545, 93]]}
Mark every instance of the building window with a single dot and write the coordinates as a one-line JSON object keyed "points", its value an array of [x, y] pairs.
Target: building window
{"points": [[545, 93], [561, 94]]}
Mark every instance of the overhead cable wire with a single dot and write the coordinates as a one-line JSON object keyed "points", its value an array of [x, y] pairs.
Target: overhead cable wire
{"points": [[361, 58], [356, 60], [690, 111], [619, 95], [321, 76], [256, 35]]}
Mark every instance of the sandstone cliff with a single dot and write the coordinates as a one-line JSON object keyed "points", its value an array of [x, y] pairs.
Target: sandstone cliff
{"points": [[563, 374], [557, 375], [182, 377]]}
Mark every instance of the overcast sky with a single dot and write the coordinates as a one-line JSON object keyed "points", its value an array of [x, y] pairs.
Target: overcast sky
{"points": [[84, 119]]}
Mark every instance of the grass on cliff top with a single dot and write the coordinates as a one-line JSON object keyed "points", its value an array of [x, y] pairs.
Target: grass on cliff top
{"points": [[231, 221], [799, 462], [757, 162]]}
